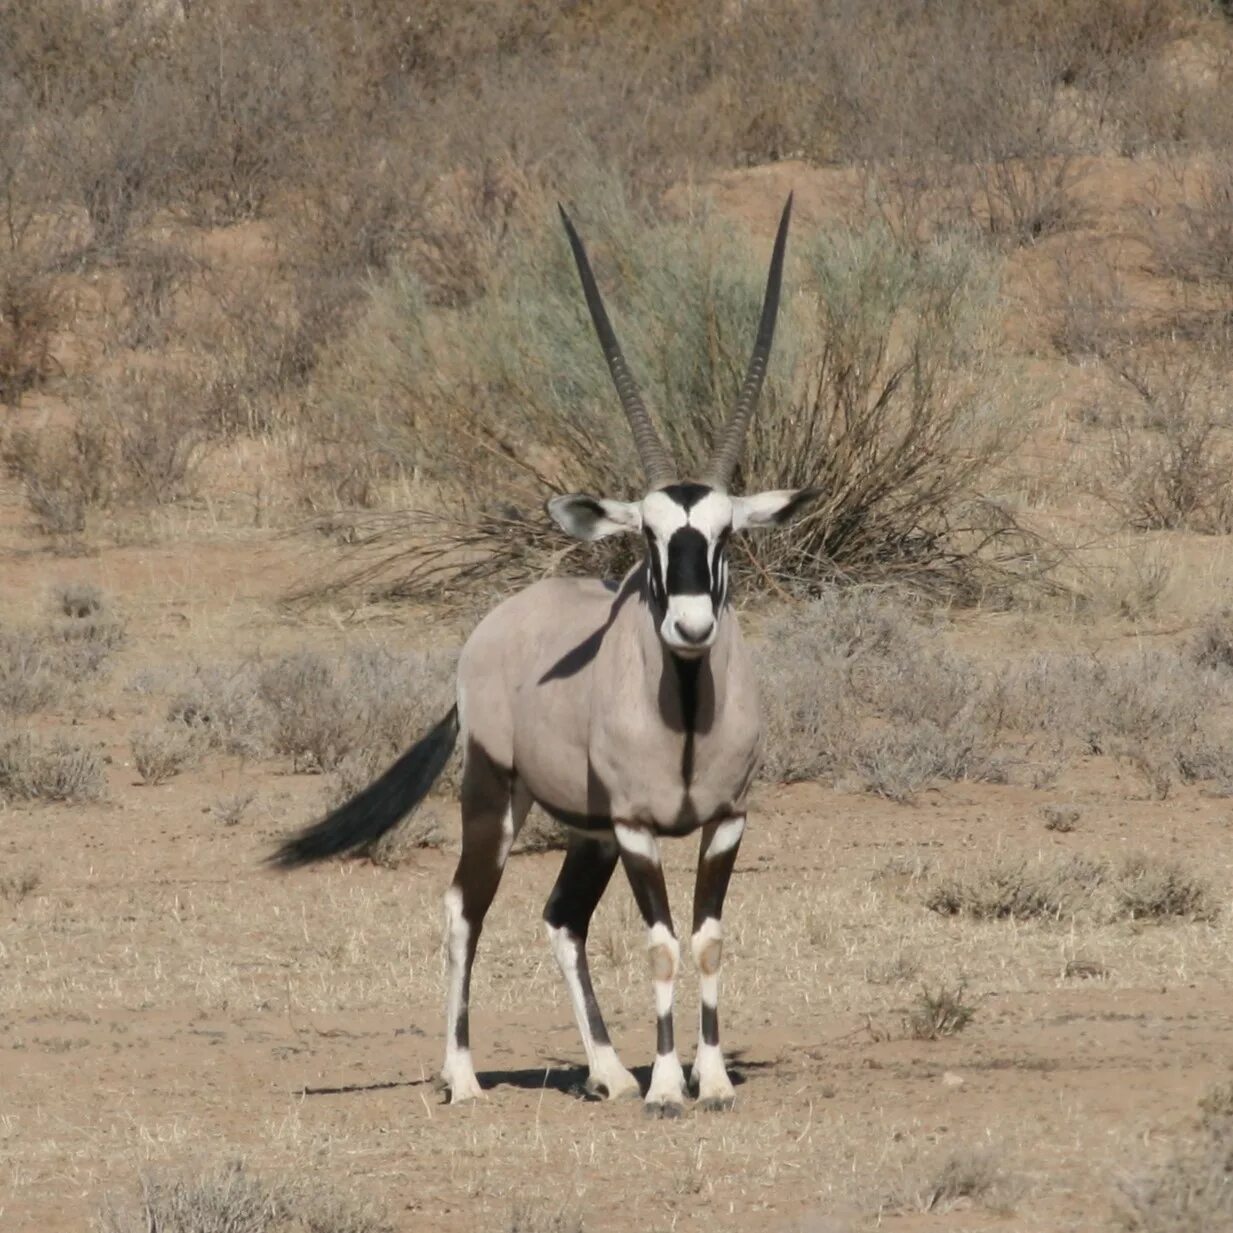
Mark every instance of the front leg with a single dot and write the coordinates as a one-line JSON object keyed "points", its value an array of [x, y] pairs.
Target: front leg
{"points": [[720, 843], [640, 856]]}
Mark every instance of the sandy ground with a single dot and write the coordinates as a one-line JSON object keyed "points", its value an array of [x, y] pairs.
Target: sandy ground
{"points": [[167, 1003]]}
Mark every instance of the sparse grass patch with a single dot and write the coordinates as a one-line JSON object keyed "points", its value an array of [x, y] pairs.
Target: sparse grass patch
{"points": [[1140, 888], [973, 1173], [14, 887], [54, 770], [234, 1200], [1192, 1192], [938, 1012], [1020, 890], [1216, 1106]]}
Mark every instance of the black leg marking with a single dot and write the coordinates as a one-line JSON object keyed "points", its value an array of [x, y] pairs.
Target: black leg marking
{"points": [[716, 857], [580, 885]]}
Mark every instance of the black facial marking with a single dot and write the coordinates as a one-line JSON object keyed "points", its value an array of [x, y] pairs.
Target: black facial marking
{"points": [[718, 574], [688, 569], [688, 494], [654, 573]]}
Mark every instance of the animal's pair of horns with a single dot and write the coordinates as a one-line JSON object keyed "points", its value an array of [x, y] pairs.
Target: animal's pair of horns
{"points": [[656, 459]]}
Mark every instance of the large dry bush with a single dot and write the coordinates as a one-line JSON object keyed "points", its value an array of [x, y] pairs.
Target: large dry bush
{"points": [[886, 391]]}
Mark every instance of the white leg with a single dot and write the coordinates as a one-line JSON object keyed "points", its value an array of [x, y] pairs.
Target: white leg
{"points": [[640, 856], [605, 1074], [720, 843], [458, 1072]]}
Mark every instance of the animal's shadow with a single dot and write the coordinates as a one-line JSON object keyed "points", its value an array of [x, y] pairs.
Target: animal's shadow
{"points": [[570, 1079], [559, 1075]]}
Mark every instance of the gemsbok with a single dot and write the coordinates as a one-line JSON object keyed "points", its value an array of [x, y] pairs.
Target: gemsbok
{"points": [[628, 711]]}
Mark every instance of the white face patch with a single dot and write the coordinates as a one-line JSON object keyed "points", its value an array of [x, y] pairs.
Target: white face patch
{"points": [[685, 526]]}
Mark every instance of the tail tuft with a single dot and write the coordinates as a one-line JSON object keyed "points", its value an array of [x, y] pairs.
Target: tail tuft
{"points": [[379, 807]]}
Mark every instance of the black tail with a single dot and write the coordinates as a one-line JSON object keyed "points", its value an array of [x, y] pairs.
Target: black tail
{"points": [[380, 807]]}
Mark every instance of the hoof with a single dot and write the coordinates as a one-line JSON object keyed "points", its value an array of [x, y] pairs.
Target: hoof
{"points": [[464, 1091], [663, 1108], [716, 1104], [599, 1089]]}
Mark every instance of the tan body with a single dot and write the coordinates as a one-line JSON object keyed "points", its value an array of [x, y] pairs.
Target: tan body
{"points": [[568, 685], [628, 712]]}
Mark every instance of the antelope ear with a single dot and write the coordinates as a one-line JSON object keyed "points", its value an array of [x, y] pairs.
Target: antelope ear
{"points": [[771, 509], [592, 518]]}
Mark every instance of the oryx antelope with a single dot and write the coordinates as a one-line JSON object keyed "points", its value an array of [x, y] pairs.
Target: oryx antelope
{"points": [[628, 711]]}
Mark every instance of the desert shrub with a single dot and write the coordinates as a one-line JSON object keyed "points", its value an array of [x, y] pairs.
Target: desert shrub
{"points": [[375, 703], [160, 753], [1139, 888], [1195, 243], [233, 1199], [251, 89], [30, 314], [152, 274], [1213, 643], [1191, 1192], [884, 392], [79, 600], [1061, 818], [230, 809], [29, 680], [1020, 890], [1170, 455], [224, 706], [54, 770], [975, 1174], [1149, 889]]}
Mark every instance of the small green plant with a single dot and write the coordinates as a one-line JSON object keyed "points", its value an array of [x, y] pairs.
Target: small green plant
{"points": [[938, 1012]]}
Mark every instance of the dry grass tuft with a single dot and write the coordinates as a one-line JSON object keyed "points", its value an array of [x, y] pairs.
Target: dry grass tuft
{"points": [[1140, 888], [233, 1200], [527, 1219], [424, 829], [1061, 818], [968, 1173], [14, 887], [938, 1012], [230, 810], [55, 770], [160, 753]]}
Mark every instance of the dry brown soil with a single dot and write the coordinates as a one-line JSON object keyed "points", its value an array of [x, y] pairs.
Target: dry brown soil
{"points": [[166, 1002]]}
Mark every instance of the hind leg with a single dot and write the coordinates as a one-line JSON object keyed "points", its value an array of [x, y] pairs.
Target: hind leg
{"points": [[579, 887], [494, 807]]}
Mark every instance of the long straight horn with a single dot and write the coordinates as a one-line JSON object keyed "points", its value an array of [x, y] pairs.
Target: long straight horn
{"points": [[656, 460], [728, 446]]}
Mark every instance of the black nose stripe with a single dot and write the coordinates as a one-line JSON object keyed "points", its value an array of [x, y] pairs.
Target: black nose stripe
{"points": [[689, 571]]}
